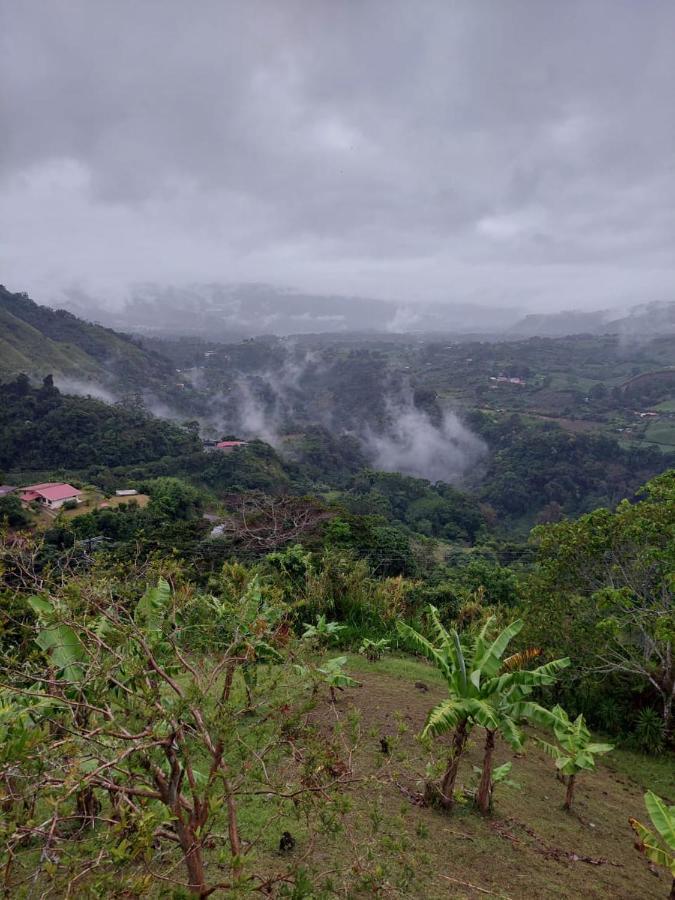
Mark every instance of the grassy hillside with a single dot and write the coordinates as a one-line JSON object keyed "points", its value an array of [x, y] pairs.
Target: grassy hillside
{"points": [[529, 850], [40, 341], [24, 348]]}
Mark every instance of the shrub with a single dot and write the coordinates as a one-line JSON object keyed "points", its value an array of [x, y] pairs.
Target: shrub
{"points": [[649, 732]]}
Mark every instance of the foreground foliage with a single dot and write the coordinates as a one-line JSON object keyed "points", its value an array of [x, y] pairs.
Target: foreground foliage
{"points": [[122, 747], [661, 849]]}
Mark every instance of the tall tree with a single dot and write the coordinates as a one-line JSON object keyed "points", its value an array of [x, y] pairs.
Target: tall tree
{"points": [[605, 586]]}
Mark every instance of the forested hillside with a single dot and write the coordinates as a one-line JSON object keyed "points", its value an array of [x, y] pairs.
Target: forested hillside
{"points": [[40, 428], [40, 341]]}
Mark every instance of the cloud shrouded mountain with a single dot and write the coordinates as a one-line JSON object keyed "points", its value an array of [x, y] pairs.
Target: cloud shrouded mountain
{"points": [[227, 311], [516, 153]]}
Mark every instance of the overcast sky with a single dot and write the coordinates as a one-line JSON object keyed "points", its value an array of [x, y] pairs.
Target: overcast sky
{"points": [[519, 152]]}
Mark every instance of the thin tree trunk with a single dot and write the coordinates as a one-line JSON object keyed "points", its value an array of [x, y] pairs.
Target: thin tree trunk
{"points": [[87, 806], [192, 853], [232, 826], [248, 684], [672, 890], [569, 796], [229, 675], [448, 784], [484, 796], [186, 825], [668, 710]]}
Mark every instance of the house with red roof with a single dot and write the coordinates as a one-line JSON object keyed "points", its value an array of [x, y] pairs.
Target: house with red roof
{"points": [[51, 494], [229, 445]]}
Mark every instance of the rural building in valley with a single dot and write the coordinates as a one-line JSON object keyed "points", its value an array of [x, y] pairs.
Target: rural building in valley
{"points": [[50, 494]]}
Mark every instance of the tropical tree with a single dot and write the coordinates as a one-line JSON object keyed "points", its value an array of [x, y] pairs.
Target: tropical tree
{"points": [[604, 587], [483, 690], [661, 849], [506, 695], [576, 752]]}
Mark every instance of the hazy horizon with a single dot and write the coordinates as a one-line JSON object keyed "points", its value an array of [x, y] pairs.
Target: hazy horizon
{"points": [[514, 155]]}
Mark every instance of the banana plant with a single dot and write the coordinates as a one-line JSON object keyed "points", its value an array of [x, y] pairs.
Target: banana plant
{"points": [[151, 611], [58, 641], [249, 626], [500, 775], [507, 694], [373, 650], [322, 631], [576, 752], [331, 673], [483, 690], [659, 850]]}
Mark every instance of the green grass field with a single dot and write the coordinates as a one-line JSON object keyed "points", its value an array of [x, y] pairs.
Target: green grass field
{"points": [[666, 406], [661, 432]]}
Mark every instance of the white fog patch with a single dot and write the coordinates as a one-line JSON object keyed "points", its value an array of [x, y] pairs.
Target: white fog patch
{"points": [[404, 319], [414, 445], [83, 388], [271, 403], [159, 409], [253, 421]]}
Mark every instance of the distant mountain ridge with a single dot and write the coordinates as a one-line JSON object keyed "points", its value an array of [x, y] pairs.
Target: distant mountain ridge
{"points": [[645, 320], [227, 312], [230, 312]]}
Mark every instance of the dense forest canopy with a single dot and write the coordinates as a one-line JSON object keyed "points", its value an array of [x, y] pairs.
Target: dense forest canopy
{"points": [[40, 428]]}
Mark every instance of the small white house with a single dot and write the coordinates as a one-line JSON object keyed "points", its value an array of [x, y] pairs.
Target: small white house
{"points": [[130, 492], [51, 494]]}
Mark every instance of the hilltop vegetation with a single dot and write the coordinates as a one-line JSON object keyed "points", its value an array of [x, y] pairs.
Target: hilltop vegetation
{"points": [[222, 733], [545, 470]]}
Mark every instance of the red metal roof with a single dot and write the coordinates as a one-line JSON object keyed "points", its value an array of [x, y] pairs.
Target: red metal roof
{"points": [[50, 491], [221, 445]]}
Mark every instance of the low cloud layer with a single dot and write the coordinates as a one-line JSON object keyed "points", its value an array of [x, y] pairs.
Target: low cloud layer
{"points": [[515, 153], [414, 445]]}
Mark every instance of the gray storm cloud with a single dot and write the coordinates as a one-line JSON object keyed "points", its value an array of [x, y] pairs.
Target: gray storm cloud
{"points": [[515, 152]]}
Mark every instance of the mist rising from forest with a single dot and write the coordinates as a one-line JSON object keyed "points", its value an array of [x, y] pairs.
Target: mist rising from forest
{"points": [[414, 445], [394, 434]]}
